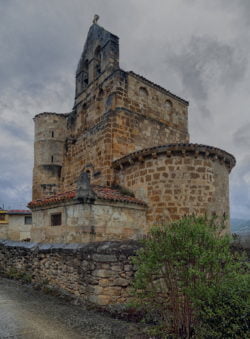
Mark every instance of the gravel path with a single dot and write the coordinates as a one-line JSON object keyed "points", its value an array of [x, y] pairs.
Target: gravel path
{"points": [[29, 314]]}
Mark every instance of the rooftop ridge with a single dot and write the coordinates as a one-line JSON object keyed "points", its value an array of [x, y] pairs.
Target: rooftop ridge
{"points": [[51, 113], [162, 89], [181, 148], [101, 192]]}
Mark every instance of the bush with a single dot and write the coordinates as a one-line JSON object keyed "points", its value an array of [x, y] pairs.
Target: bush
{"points": [[190, 278], [13, 273]]}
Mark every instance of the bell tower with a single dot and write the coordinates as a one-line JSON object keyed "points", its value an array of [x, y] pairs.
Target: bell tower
{"points": [[100, 55]]}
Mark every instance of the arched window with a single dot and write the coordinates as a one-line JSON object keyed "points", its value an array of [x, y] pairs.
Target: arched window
{"points": [[143, 92], [89, 173], [89, 169], [86, 72], [97, 61], [168, 106], [100, 93], [83, 115]]}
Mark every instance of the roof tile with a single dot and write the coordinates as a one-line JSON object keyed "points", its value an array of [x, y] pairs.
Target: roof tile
{"points": [[102, 192]]}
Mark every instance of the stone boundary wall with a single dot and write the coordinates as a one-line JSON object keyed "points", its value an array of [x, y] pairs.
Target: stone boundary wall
{"points": [[99, 273]]}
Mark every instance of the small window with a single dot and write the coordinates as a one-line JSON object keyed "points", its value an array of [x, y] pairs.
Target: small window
{"points": [[168, 105], [89, 173], [52, 134], [100, 93], [52, 158], [143, 92], [98, 61], [2, 216], [28, 220], [85, 75], [56, 219]]}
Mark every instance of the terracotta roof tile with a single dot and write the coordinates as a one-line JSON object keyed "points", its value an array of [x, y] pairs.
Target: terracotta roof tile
{"points": [[103, 193]]}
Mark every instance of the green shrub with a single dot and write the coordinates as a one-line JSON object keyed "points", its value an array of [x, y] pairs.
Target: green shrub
{"points": [[13, 273], [190, 278]]}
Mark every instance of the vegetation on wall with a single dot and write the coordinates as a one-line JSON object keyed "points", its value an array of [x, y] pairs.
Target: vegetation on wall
{"points": [[189, 277], [123, 190]]}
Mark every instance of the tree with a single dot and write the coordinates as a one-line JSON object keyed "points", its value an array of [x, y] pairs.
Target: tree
{"points": [[188, 275]]}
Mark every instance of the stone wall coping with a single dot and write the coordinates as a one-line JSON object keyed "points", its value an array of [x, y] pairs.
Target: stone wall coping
{"points": [[97, 202], [177, 149], [18, 244], [127, 247], [158, 87], [63, 115]]}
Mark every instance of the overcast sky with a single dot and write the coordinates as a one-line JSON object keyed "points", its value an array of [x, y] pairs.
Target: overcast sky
{"points": [[198, 49]]}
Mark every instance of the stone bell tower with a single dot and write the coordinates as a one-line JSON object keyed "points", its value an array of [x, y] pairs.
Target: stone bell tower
{"points": [[100, 54]]}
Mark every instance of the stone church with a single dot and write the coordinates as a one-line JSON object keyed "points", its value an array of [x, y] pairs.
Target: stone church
{"points": [[121, 160]]}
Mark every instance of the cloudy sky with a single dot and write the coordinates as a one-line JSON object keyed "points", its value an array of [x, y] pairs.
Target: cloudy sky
{"points": [[198, 49]]}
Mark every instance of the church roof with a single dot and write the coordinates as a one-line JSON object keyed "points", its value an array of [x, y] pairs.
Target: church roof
{"points": [[177, 149], [101, 192], [160, 88]]}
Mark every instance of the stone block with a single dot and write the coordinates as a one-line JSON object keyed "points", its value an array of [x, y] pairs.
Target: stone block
{"points": [[112, 291], [120, 282], [99, 299], [104, 258], [103, 273]]}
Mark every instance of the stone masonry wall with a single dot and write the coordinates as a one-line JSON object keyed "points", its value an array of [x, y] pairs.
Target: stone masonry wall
{"points": [[17, 229], [50, 129], [135, 131], [98, 273], [179, 183], [113, 119], [91, 151], [83, 223], [146, 98], [3, 231]]}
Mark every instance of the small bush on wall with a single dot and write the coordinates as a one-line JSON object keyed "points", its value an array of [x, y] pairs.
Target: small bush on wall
{"points": [[188, 276]]}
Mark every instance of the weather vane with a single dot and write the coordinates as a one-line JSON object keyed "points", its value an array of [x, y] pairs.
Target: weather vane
{"points": [[96, 18]]}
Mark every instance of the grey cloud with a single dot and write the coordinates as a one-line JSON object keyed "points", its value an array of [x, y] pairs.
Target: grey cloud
{"points": [[240, 199], [15, 180], [242, 137], [14, 194], [204, 61], [243, 6], [16, 131]]}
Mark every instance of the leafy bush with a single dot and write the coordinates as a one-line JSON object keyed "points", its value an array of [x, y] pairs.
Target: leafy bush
{"points": [[190, 278], [13, 273]]}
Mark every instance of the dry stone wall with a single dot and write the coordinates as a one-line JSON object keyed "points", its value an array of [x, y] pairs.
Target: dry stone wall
{"points": [[99, 273]]}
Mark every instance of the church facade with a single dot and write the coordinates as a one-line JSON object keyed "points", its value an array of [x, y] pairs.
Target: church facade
{"points": [[121, 160]]}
